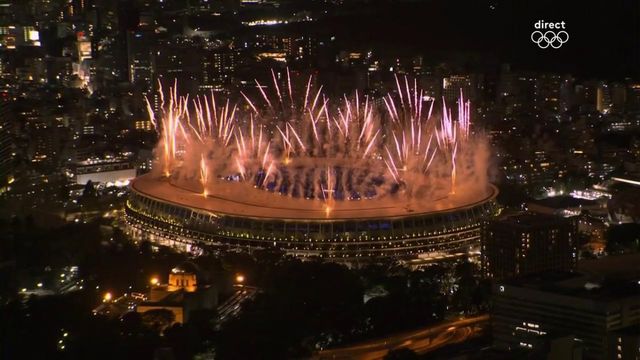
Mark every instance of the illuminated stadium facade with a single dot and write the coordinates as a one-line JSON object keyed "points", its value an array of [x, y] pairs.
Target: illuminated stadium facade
{"points": [[177, 216]]}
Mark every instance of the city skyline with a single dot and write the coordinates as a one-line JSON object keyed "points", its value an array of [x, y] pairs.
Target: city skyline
{"points": [[357, 179]]}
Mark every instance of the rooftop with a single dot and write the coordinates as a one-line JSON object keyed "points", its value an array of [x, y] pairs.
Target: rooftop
{"points": [[563, 202], [529, 220], [613, 266], [237, 199], [578, 285]]}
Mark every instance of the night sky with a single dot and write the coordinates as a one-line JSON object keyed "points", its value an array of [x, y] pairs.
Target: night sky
{"points": [[604, 35]]}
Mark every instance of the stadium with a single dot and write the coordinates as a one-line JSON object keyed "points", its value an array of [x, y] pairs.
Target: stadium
{"points": [[347, 180], [168, 214]]}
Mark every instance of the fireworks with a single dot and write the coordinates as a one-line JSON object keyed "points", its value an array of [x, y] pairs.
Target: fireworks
{"points": [[312, 147], [204, 176]]}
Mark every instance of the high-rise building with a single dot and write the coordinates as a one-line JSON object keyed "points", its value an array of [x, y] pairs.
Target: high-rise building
{"points": [[618, 97], [625, 343], [633, 98], [527, 243], [547, 92], [139, 47], [587, 96], [218, 68], [603, 98], [543, 169], [452, 85], [533, 312], [6, 145]]}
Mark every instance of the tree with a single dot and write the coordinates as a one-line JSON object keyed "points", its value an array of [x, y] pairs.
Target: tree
{"points": [[158, 319], [303, 305], [89, 189], [482, 295], [463, 296], [623, 238]]}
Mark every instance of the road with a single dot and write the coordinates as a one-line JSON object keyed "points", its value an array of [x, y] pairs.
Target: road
{"points": [[231, 307], [420, 341], [120, 306]]}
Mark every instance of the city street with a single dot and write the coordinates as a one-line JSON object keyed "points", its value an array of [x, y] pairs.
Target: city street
{"points": [[420, 341], [231, 307]]}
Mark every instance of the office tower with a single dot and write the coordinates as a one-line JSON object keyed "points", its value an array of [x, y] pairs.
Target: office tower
{"points": [[527, 243]]}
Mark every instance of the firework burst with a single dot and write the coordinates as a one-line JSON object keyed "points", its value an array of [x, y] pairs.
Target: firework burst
{"points": [[310, 147]]}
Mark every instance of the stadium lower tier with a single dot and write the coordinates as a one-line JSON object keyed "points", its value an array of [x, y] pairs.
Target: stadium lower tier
{"points": [[191, 229]]}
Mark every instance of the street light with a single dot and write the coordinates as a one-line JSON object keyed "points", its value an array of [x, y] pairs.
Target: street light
{"points": [[239, 278], [154, 281], [107, 297]]}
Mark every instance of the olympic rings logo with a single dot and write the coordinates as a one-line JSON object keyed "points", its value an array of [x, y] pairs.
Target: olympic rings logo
{"points": [[549, 38]]}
